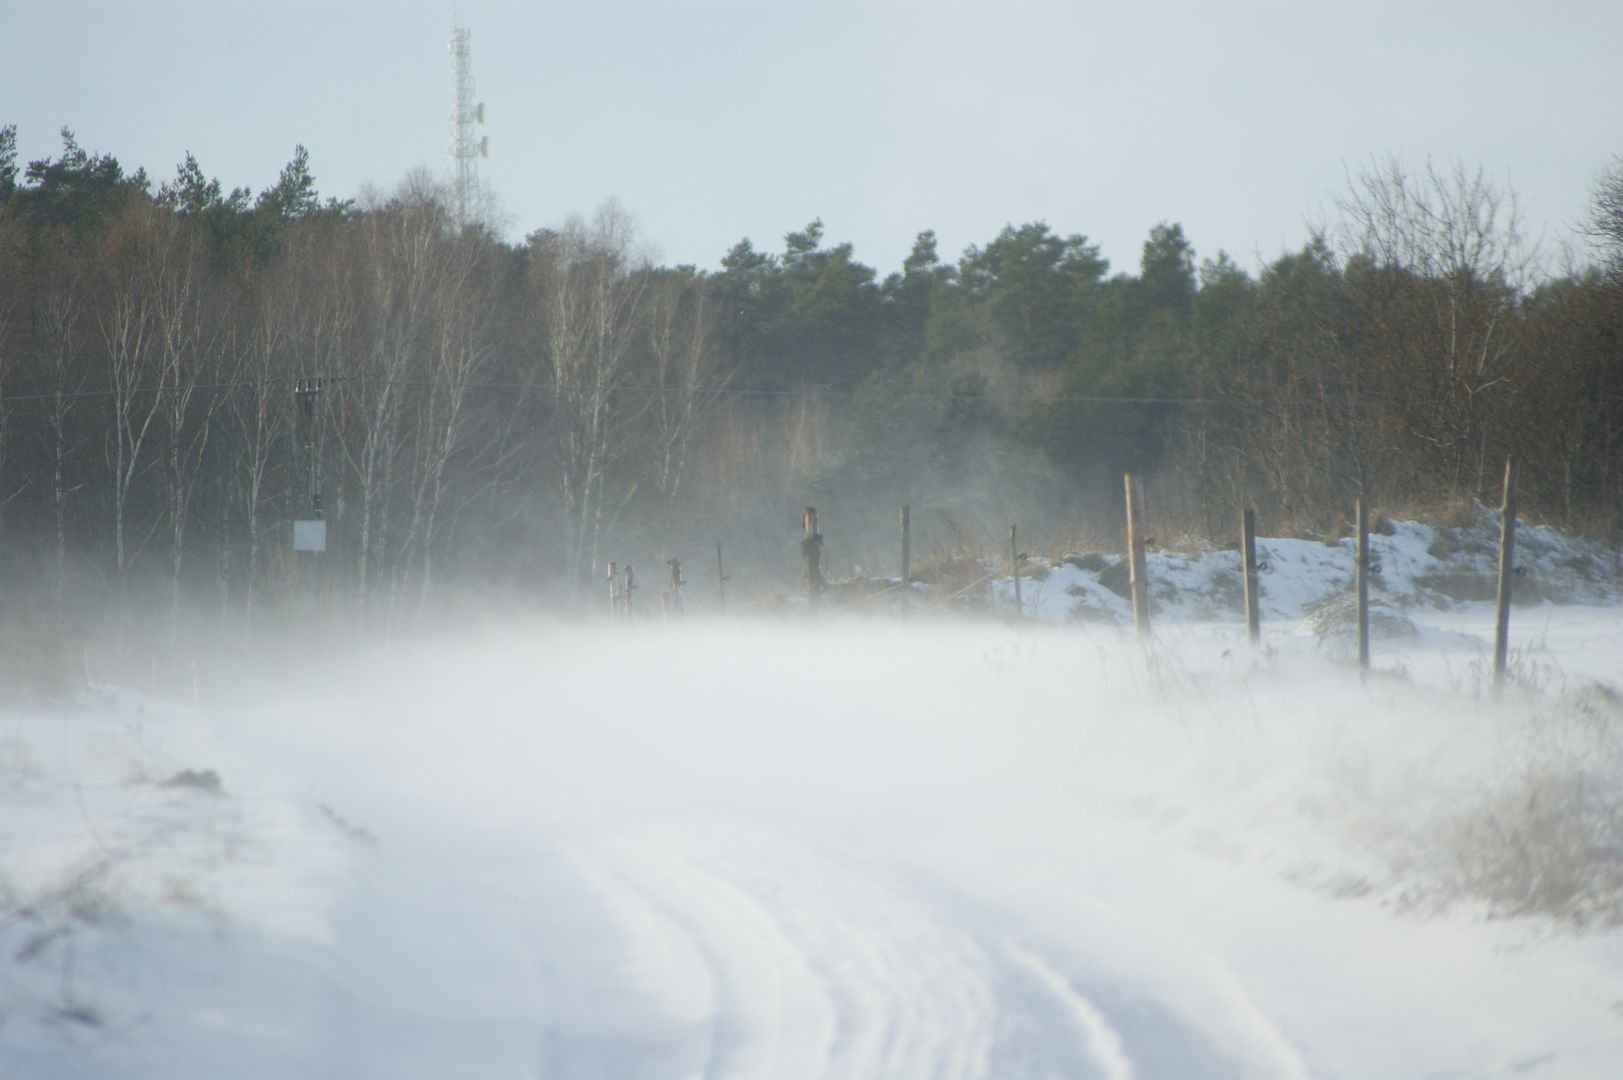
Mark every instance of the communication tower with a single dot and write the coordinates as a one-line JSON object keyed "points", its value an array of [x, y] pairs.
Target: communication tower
{"points": [[467, 147]]}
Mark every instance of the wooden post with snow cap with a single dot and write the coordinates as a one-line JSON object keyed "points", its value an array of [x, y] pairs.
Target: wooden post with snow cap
{"points": [[1361, 576], [907, 556], [811, 549], [1014, 568], [1248, 557], [1135, 556], [1507, 565]]}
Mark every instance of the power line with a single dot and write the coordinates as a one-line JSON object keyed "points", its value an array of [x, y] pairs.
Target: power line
{"points": [[545, 387]]}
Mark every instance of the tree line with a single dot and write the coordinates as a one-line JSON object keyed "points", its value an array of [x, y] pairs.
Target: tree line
{"points": [[184, 371]]}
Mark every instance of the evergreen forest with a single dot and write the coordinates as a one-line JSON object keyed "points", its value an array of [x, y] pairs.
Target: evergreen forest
{"points": [[185, 371]]}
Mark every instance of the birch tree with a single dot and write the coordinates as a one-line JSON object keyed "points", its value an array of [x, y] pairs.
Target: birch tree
{"points": [[135, 255], [461, 311], [260, 416], [60, 339], [592, 280], [395, 275], [688, 376], [188, 346]]}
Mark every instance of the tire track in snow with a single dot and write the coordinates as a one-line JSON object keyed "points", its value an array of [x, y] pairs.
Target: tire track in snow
{"points": [[768, 1014], [649, 989], [898, 979], [1280, 1057], [1149, 1003], [824, 966], [722, 950], [1104, 1040]]}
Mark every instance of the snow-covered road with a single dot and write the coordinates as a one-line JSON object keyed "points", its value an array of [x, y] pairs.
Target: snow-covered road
{"points": [[783, 957], [753, 851]]}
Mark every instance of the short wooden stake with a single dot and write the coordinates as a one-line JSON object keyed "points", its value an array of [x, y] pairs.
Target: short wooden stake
{"points": [[721, 581], [1361, 574], [1248, 548], [1014, 568], [907, 556], [1135, 557], [811, 548], [1507, 566]]}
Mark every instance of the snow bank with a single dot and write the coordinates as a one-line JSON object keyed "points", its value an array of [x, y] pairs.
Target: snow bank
{"points": [[1414, 566]]}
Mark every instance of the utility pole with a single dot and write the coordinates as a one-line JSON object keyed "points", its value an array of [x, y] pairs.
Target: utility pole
{"points": [[307, 392], [310, 534]]}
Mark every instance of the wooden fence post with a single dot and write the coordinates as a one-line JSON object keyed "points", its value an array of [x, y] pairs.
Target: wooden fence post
{"points": [[676, 585], [614, 593], [811, 548], [907, 557], [1248, 550], [625, 594], [1014, 566], [1361, 574], [1135, 557], [721, 581], [1507, 566]]}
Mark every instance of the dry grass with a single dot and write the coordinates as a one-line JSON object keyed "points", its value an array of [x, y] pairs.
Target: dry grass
{"points": [[1089, 536], [957, 576]]}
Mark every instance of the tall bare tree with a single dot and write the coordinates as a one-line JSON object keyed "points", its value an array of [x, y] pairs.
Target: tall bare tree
{"points": [[137, 253], [1605, 225], [394, 278], [60, 340], [262, 413], [688, 375], [460, 317], [1438, 265], [189, 373], [592, 280]]}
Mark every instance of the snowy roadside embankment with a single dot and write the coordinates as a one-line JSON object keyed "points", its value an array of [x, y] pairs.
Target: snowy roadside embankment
{"points": [[1415, 567]]}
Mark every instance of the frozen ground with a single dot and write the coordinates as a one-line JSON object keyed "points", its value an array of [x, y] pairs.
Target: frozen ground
{"points": [[860, 850]]}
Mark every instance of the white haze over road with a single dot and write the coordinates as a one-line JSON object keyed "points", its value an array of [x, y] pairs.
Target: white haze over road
{"points": [[854, 850]]}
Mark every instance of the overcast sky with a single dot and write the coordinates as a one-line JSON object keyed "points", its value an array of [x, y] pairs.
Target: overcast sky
{"points": [[714, 120]]}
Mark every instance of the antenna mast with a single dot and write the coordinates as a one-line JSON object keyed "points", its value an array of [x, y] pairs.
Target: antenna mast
{"points": [[466, 147]]}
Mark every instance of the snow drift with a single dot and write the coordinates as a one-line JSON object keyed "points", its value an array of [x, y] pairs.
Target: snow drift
{"points": [[839, 849]]}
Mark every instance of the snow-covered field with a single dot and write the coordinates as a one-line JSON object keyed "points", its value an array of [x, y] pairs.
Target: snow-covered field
{"points": [[837, 848]]}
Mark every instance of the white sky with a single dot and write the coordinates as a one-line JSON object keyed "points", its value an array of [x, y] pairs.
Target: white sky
{"points": [[718, 119]]}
